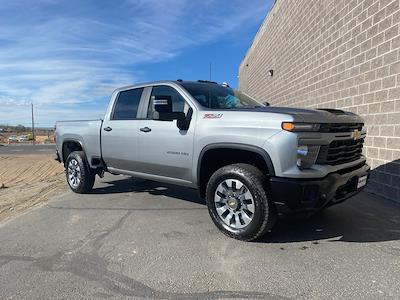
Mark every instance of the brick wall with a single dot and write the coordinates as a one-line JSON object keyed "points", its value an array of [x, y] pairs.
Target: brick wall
{"points": [[335, 54]]}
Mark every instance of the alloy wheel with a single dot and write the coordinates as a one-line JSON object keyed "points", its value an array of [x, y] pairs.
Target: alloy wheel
{"points": [[234, 203], [74, 173]]}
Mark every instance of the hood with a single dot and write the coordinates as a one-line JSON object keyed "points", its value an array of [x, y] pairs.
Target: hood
{"points": [[313, 115]]}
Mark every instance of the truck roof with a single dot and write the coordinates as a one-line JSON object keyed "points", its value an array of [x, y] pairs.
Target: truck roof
{"points": [[160, 82]]}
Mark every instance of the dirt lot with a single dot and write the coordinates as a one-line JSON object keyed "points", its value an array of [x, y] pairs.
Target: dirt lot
{"points": [[40, 139], [29, 180]]}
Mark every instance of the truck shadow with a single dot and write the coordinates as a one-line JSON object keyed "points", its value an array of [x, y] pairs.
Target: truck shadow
{"points": [[134, 185], [385, 180], [363, 218]]}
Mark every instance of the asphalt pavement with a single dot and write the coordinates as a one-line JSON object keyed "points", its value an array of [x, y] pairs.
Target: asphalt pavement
{"points": [[25, 149], [141, 239]]}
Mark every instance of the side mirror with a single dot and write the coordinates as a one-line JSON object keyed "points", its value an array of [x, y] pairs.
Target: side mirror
{"points": [[266, 104], [184, 123]]}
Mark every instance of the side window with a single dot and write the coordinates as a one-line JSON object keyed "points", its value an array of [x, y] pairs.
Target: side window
{"points": [[167, 92], [127, 104]]}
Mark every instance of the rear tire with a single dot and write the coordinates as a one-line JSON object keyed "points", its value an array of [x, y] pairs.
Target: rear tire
{"points": [[238, 204], [80, 177]]}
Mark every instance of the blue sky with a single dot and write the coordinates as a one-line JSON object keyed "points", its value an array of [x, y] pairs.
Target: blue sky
{"points": [[68, 56]]}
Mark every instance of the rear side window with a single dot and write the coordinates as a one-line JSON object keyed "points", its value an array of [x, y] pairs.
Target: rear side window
{"points": [[127, 105]]}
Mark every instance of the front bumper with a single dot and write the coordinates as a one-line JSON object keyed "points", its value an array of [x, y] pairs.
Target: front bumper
{"points": [[292, 195]]}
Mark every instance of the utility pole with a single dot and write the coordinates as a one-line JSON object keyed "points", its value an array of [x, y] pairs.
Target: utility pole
{"points": [[210, 71], [33, 126]]}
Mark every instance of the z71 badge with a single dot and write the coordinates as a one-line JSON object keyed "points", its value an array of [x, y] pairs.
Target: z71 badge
{"points": [[212, 116]]}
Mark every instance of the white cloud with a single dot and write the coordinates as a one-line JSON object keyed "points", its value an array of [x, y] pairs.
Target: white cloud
{"points": [[73, 52]]}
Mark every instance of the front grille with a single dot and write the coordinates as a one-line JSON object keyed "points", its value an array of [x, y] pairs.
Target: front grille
{"points": [[340, 152], [341, 127]]}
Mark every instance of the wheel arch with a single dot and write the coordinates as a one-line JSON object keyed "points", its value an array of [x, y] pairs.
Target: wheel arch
{"points": [[261, 157], [71, 145]]}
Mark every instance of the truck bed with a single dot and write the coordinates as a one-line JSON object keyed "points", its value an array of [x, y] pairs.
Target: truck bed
{"points": [[88, 132]]}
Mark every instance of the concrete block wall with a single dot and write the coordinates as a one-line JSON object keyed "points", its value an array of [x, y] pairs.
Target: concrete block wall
{"points": [[335, 54]]}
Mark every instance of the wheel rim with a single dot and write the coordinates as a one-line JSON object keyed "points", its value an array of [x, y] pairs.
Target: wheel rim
{"points": [[234, 203], [74, 173]]}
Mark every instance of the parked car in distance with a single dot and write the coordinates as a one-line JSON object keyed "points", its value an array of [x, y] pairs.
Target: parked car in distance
{"points": [[23, 138], [12, 138], [251, 162]]}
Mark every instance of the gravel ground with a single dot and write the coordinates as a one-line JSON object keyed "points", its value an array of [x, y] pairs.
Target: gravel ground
{"points": [[26, 181]]}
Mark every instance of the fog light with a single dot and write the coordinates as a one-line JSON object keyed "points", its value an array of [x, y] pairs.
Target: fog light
{"points": [[302, 150], [306, 156]]}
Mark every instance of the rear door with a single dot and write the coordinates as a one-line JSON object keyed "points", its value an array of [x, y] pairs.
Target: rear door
{"points": [[163, 148], [119, 136]]}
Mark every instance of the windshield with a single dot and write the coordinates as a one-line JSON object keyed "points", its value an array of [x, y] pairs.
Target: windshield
{"points": [[219, 97]]}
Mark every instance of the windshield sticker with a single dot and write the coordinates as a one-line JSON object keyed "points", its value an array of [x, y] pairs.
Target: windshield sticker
{"points": [[212, 116]]}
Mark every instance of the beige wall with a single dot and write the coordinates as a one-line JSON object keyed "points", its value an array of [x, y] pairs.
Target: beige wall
{"points": [[335, 54]]}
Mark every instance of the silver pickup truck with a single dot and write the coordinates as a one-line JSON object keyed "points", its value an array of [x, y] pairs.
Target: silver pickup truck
{"points": [[252, 162]]}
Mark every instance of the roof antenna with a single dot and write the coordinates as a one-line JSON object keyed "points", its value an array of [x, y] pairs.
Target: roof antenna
{"points": [[209, 92]]}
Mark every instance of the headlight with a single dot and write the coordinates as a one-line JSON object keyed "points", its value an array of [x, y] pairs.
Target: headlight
{"points": [[298, 127], [306, 156]]}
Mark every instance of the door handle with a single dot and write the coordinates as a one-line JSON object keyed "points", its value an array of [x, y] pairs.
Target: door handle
{"points": [[108, 128], [145, 129]]}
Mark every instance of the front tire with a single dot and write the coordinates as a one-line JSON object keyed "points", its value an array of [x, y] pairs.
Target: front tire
{"points": [[238, 203], [80, 177]]}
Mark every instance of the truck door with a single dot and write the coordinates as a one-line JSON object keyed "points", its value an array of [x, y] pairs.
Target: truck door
{"points": [[165, 149], [119, 134]]}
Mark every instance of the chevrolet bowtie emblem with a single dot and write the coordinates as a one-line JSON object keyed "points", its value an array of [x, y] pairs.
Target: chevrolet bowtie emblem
{"points": [[356, 135]]}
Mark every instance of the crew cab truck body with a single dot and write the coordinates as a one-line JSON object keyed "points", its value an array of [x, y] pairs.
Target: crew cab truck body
{"points": [[251, 162]]}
